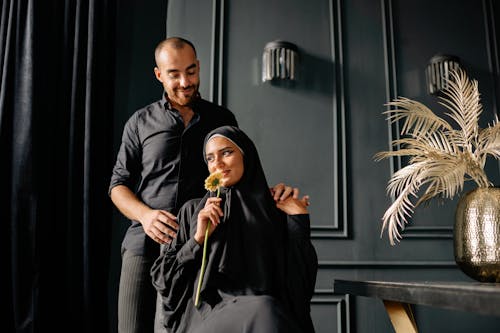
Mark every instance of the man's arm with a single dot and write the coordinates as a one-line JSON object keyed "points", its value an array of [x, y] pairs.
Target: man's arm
{"points": [[160, 225]]}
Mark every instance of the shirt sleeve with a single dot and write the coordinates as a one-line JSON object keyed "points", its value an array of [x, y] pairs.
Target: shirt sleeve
{"points": [[126, 170]]}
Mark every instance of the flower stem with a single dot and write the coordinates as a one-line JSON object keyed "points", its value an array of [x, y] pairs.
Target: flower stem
{"points": [[203, 262]]}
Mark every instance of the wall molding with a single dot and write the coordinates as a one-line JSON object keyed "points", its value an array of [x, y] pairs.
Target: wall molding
{"points": [[393, 129], [492, 49], [368, 264], [342, 304], [339, 227], [391, 90], [428, 232], [217, 51]]}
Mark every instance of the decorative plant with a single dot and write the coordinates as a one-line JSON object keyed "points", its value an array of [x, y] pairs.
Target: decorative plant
{"points": [[441, 158]]}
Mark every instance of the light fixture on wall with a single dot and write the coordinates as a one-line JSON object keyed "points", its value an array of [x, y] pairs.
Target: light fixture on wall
{"points": [[279, 61], [438, 70]]}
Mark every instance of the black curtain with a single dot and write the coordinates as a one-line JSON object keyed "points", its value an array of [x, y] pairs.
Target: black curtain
{"points": [[56, 103]]}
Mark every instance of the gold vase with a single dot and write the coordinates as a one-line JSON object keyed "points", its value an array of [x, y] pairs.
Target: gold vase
{"points": [[476, 234]]}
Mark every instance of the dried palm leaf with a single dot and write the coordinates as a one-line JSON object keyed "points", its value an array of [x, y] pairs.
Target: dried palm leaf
{"points": [[441, 158]]}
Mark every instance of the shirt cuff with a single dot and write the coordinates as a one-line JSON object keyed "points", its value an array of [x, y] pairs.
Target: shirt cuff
{"points": [[189, 251]]}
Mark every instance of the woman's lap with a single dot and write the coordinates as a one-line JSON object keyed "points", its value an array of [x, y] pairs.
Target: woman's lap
{"points": [[245, 314]]}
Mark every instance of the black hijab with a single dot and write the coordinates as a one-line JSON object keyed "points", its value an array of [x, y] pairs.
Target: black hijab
{"points": [[246, 250]]}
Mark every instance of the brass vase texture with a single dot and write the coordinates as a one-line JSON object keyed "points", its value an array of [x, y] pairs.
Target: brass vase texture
{"points": [[476, 234]]}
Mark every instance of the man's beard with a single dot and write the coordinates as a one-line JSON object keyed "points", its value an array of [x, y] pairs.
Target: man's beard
{"points": [[189, 101]]}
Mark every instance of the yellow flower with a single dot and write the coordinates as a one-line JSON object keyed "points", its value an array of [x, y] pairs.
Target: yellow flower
{"points": [[212, 183]]}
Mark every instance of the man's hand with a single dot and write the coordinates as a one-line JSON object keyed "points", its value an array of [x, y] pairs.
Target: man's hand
{"points": [[281, 192], [160, 225], [294, 206]]}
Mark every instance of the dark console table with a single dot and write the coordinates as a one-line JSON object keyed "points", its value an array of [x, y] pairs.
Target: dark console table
{"points": [[481, 298]]}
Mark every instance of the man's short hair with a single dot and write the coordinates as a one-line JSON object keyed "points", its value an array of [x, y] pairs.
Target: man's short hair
{"points": [[175, 42]]}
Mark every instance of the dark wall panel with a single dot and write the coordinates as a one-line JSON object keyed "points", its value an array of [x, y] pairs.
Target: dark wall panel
{"points": [[292, 125], [423, 29], [321, 132]]}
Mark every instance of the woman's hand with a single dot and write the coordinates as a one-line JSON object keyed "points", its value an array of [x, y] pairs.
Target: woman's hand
{"points": [[210, 215], [293, 205]]}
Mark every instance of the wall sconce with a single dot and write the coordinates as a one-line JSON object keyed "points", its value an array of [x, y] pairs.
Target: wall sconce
{"points": [[279, 61], [438, 70]]}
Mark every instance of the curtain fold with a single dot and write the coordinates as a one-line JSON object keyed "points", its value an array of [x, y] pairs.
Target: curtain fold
{"points": [[56, 106]]}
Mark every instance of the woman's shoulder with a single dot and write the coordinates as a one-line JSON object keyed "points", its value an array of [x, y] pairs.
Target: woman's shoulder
{"points": [[189, 207]]}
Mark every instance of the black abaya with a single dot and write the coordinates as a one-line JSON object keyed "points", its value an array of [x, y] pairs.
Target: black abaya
{"points": [[261, 267]]}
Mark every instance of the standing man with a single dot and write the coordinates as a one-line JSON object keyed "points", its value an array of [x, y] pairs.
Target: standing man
{"points": [[159, 167]]}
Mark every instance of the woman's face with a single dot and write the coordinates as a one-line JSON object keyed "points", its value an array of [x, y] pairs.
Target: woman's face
{"points": [[225, 157]]}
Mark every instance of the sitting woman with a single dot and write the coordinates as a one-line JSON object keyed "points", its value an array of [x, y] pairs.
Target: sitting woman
{"points": [[261, 265]]}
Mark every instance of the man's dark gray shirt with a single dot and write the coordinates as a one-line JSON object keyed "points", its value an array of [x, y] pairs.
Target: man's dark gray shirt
{"points": [[161, 160]]}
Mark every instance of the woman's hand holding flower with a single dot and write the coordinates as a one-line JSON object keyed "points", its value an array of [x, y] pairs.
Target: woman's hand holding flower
{"points": [[211, 215]]}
